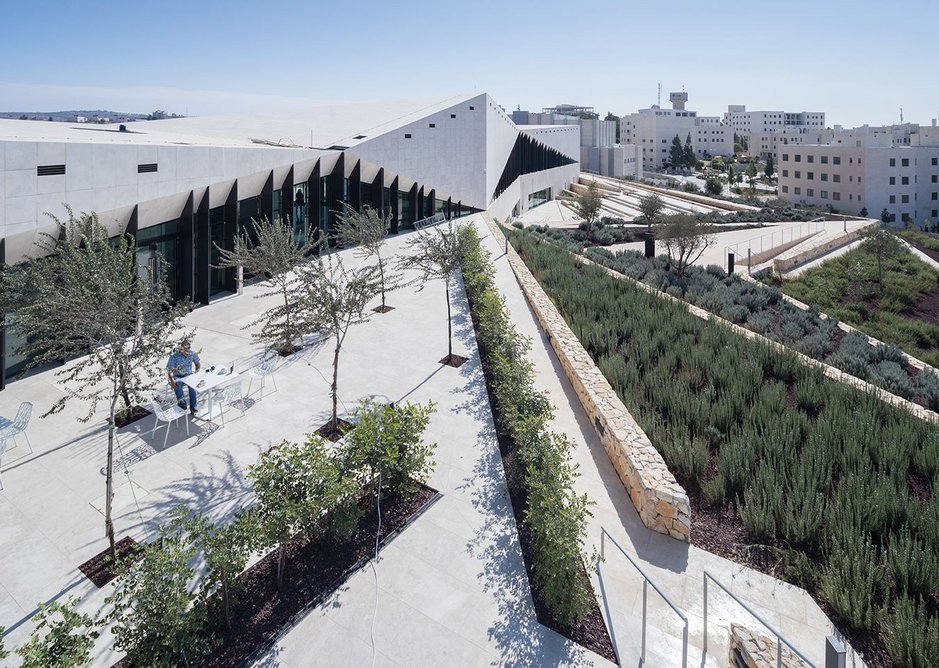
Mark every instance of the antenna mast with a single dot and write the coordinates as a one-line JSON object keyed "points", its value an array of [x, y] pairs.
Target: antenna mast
{"points": [[659, 100]]}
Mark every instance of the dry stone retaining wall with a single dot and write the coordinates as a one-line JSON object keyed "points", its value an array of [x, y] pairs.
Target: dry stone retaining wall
{"points": [[662, 503], [758, 651]]}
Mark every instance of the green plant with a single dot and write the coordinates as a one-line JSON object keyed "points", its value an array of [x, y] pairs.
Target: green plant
{"points": [[87, 300], [333, 299], [387, 440], [155, 619], [63, 637], [3, 652], [226, 548], [367, 230], [910, 635], [296, 485], [269, 249], [685, 239], [435, 253]]}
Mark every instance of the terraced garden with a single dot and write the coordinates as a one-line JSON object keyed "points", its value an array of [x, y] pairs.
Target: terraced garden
{"points": [[795, 474]]}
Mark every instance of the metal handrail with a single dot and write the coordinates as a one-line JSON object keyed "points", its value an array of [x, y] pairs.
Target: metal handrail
{"points": [[749, 244], [646, 580], [780, 640], [429, 221]]}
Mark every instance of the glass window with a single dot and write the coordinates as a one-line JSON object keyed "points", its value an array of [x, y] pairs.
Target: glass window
{"points": [[836, 196], [893, 180], [810, 176], [836, 160], [893, 199], [824, 177], [810, 192], [823, 194], [905, 180], [905, 162], [824, 159], [810, 158], [893, 162], [904, 199]]}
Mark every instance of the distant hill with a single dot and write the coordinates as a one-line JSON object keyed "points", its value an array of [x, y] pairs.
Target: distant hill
{"points": [[89, 116]]}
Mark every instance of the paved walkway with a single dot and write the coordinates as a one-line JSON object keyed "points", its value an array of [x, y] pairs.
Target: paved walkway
{"points": [[675, 566], [452, 588]]}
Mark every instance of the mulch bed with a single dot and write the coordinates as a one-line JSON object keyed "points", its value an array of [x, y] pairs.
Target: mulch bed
{"points": [[136, 413], [315, 568], [383, 309], [100, 569], [929, 252], [333, 431], [456, 361], [591, 632]]}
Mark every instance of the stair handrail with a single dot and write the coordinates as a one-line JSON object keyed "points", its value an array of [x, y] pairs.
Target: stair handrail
{"points": [[780, 639], [646, 580]]}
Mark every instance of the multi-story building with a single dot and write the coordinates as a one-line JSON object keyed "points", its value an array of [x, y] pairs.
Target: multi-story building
{"points": [[184, 187], [893, 168], [600, 152], [652, 131], [764, 130]]}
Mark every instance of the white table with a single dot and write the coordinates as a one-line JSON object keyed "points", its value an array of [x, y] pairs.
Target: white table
{"points": [[209, 381]]}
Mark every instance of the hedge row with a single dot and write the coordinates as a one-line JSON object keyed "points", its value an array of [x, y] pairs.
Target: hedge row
{"points": [[554, 515], [763, 310], [820, 472]]}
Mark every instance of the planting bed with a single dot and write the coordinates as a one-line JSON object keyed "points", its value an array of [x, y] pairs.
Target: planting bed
{"points": [[490, 324], [101, 568], [763, 310], [797, 475], [316, 567]]}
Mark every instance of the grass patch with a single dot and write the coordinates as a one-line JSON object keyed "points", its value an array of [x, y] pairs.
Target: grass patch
{"points": [[846, 287]]}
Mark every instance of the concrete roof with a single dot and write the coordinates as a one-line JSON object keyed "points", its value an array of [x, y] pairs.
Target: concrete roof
{"points": [[335, 125]]}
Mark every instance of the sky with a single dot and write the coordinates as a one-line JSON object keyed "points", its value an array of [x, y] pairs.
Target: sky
{"points": [[859, 62]]}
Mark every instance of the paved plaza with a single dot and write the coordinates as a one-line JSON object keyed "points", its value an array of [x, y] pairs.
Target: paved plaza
{"points": [[451, 590]]}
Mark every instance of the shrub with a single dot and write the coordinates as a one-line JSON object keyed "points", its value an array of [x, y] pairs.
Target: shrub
{"points": [[67, 640], [850, 581], [927, 386], [911, 636], [736, 313], [892, 377], [387, 442], [155, 619]]}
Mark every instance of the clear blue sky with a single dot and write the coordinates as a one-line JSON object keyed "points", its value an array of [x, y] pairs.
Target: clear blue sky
{"points": [[859, 62]]}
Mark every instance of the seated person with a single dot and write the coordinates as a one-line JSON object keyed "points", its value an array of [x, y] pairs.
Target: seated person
{"points": [[181, 364]]}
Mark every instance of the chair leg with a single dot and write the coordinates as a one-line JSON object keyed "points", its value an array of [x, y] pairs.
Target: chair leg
{"points": [[274, 381], [28, 444], [167, 435], [186, 418], [221, 411], [156, 423]]}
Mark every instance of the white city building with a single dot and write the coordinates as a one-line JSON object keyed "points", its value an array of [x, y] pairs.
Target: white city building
{"points": [[765, 130], [893, 168], [181, 187], [652, 131]]}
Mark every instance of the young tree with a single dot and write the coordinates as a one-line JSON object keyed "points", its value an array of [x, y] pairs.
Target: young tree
{"points": [[155, 619], [688, 159], [685, 238], [676, 154], [883, 245], [67, 640], [272, 254], [588, 207], [87, 298], [387, 441], [332, 298], [751, 175], [885, 216], [770, 167], [863, 212], [436, 254], [731, 176], [367, 231], [651, 208], [226, 549], [295, 485]]}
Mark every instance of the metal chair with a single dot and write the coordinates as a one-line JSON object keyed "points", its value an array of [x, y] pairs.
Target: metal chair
{"points": [[167, 415], [226, 396], [19, 425], [262, 371]]}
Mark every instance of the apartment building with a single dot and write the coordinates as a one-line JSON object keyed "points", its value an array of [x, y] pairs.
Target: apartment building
{"points": [[764, 130], [652, 131], [893, 168]]}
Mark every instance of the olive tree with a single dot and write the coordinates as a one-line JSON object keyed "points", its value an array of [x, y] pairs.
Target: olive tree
{"points": [[651, 208], [367, 231], [86, 298], [883, 245], [272, 253], [685, 238], [588, 207], [332, 298], [435, 253]]}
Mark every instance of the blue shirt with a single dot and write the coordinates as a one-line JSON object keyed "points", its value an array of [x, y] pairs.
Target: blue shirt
{"points": [[181, 364]]}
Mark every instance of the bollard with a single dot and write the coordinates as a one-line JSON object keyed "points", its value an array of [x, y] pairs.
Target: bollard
{"points": [[835, 654], [650, 247], [730, 263]]}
